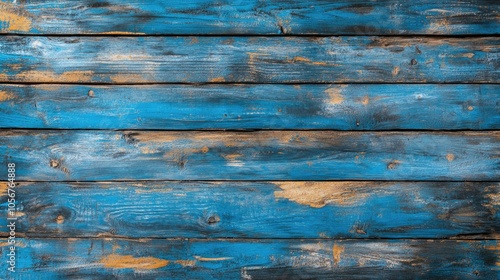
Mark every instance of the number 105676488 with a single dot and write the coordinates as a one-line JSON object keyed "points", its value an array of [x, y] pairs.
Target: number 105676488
{"points": [[11, 216]]}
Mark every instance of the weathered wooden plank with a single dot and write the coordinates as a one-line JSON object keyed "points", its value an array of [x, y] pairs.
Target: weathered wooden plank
{"points": [[253, 259], [181, 107], [302, 209], [265, 155], [355, 17], [119, 60]]}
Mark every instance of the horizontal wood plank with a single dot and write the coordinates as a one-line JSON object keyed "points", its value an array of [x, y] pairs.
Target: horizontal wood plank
{"points": [[294, 199], [183, 107], [289, 209], [253, 259], [135, 60], [264, 155], [355, 17]]}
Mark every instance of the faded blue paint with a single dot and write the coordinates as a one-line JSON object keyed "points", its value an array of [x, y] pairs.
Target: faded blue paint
{"points": [[182, 107], [270, 259], [304, 221], [138, 60], [263, 155], [254, 210], [354, 17]]}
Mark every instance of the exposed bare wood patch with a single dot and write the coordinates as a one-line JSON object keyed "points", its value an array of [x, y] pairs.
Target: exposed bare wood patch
{"points": [[4, 186], [4, 95], [50, 76], [218, 80], [127, 78], [121, 33], [129, 261], [335, 94], [319, 194], [186, 263], [450, 157], [337, 253], [14, 17], [204, 259]]}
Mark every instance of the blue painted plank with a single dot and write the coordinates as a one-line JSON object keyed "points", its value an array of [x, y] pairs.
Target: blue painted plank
{"points": [[354, 17], [289, 209], [253, 259], [183, 107], [135, 60], [265, 155]]}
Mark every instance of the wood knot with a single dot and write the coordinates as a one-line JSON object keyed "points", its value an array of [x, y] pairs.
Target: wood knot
{"points": [[395, 71], [282, 28], [360, 231], [54, 163], [58, 164], [130, 137], [450, 157], [181, 162], [91, 93], [213, 219], [413, 62]]}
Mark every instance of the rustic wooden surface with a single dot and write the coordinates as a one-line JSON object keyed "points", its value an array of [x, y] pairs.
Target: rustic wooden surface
{"points": [[259, 209], [73, 155], [182, 107], [354, 17], [194, 59], [204, 139], [256, 259]]}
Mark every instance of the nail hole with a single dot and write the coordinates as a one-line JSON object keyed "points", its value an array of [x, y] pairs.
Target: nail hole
{"points": [[182, 163]]}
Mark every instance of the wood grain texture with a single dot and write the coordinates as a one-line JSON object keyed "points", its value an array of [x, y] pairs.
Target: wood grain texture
{"points": [[257, 209], [254, 259], [182, 107], [264, 155], [355, 17], [294, 199], [135, 60]]}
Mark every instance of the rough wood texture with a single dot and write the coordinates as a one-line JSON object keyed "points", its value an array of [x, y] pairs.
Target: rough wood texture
{"points": [[134, 60], [285, 194], [355, 17], [255, 259], [258, 209], [264, 155], [181, 107]]}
